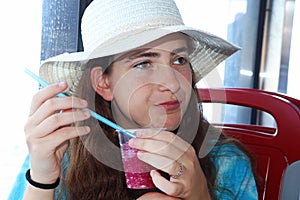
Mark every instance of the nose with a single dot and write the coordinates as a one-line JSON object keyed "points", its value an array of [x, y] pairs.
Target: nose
{"points": [[169, 79]]}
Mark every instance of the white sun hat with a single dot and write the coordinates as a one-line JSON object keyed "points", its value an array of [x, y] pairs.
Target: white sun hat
{"points": [[110, 27]]}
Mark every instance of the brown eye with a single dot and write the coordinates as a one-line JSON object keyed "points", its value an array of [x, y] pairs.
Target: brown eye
{"points": [[180, 61]]}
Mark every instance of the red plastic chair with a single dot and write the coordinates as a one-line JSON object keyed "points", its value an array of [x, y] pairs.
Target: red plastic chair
{"points": [[274, 148]]}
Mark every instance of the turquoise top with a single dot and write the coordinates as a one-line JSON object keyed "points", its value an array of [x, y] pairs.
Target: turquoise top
{"points": [[234, 180]]}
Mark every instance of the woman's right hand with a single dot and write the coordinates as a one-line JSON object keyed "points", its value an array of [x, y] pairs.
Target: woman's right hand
{"points": [[48, 130]]}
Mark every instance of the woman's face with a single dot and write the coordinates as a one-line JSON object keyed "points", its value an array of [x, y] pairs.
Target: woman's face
{"points": [[151, 85]]}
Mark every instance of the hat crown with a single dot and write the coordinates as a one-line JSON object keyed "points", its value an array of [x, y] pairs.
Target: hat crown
{"points": [[106, 19]]}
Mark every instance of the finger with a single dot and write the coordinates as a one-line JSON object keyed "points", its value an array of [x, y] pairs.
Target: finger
{"points": [[66, 133], [46, 93], [165, 136], [53, 105], [170, 188], [50, 143], [170, 166], [159, 147], [59, 120], [165, 148]]}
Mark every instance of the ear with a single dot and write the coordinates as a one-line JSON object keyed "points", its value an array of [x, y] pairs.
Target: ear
{"points": [[100, 83]]}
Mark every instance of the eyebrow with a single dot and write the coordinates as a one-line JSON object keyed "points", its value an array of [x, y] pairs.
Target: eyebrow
{"points": [[141, 53], [144, 54]]}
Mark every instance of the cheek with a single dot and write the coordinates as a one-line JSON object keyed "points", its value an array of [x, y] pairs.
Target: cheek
{"points": [[186, 86], [188, 76], [139, 105], [144, 112]]}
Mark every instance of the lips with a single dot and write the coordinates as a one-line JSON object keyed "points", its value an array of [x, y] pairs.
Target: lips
{"points": [[170, 105]]}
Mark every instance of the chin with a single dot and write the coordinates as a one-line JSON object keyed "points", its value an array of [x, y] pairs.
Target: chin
{"points": [[171, 126], [169, 123]]}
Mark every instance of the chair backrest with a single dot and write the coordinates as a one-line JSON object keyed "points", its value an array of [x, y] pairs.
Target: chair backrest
{"points": [[290, 186], [274, 148]]}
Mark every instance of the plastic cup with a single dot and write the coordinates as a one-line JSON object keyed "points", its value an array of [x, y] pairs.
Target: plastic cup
{"points": [[137, 172]]}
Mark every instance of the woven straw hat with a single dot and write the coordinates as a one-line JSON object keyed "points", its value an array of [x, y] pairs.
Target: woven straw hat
{"points": [[111, 27]]}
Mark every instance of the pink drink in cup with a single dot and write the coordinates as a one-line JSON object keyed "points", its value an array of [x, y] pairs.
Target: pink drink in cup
{"points": [[137, 172]]}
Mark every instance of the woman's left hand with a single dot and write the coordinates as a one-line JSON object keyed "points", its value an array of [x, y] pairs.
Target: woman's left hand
{"points": [[169, 153]]}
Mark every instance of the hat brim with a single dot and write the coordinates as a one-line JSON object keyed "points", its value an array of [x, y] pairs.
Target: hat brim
{"points": [[210, 51]]}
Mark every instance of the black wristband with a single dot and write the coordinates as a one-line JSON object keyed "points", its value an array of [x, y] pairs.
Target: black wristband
{"points": [[41, 185]]}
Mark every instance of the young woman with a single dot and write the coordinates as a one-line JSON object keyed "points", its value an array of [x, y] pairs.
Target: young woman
{"points": [[138, 69]]}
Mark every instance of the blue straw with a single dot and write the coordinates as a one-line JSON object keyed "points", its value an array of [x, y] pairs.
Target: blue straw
{"points": [[93, 114]]}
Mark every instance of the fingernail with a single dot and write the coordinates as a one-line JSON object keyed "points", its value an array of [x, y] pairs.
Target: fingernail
{"points": [[87, 129], [87, 113], [132, 142], [140, 155], [83, 102], [61, 84], [139, 133], [153, 173]]}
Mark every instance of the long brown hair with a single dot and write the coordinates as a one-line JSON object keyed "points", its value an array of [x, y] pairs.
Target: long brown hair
{"points": [[87, 178]]}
